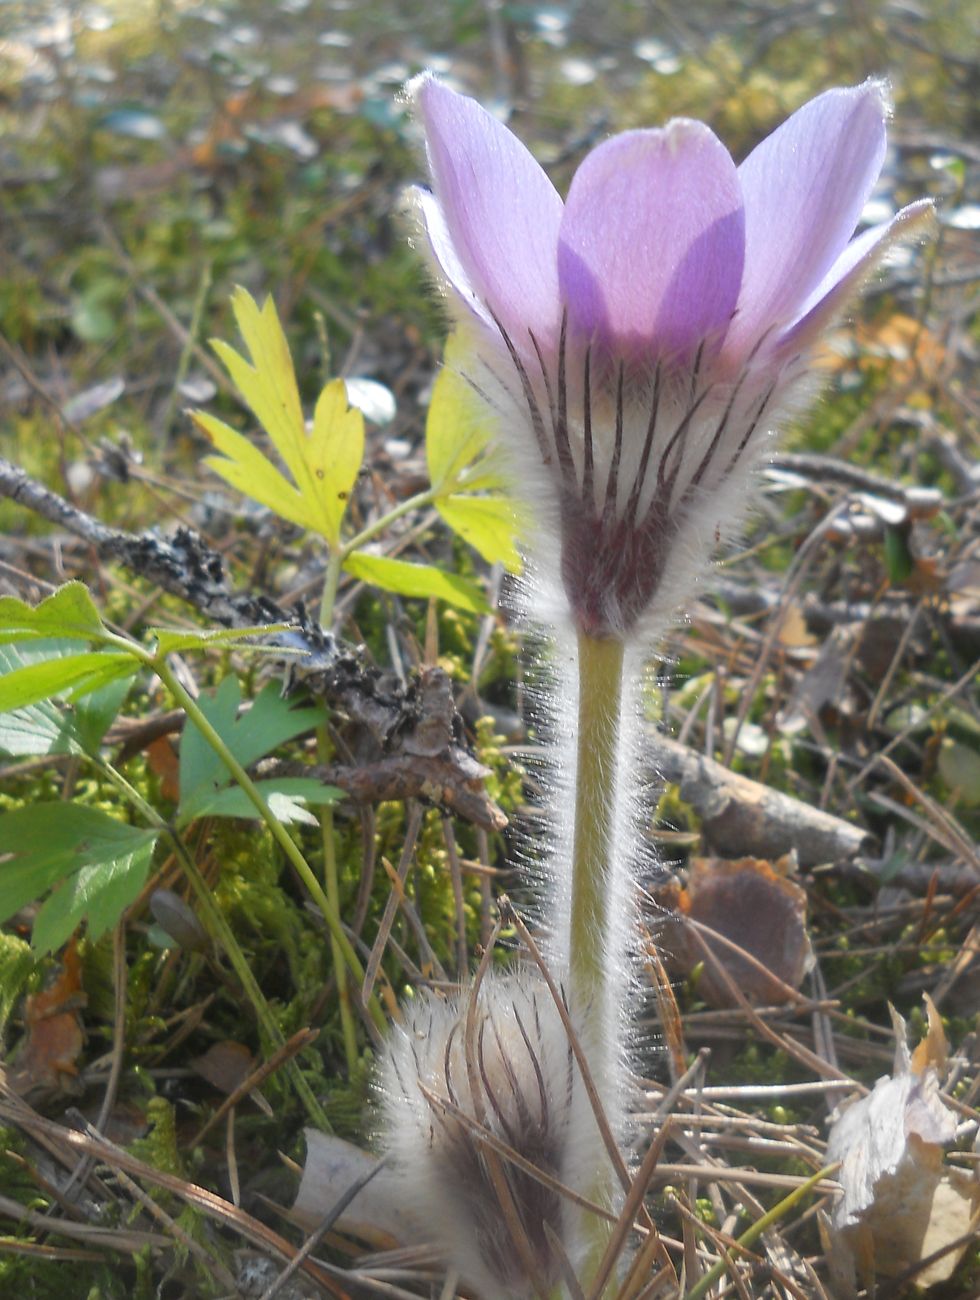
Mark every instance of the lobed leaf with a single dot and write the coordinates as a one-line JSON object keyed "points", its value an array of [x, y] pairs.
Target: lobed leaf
{"points": [[458, 442], [101, 864], [67, 612], [175, 640], [416, 580], [268, 723], [488, 524], [322, 463]]}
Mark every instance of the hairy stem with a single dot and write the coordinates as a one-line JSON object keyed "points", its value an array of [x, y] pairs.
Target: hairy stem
{"points": [[600, 668]]}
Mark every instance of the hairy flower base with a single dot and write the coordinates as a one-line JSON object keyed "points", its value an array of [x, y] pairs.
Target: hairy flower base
{"points": [[494, 1063], [646, 468]]}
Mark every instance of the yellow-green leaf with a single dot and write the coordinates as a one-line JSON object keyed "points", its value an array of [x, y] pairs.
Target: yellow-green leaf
{"points": [[416, 580], [244, 468], [323, 463], [489, 524], [469, 487], [68, 612], [458, 428], [268, 384], [335, 452]]}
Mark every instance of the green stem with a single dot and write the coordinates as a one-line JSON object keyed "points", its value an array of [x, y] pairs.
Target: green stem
{"points": [[332, 883], [600, 670], [417, 502], [327, 835], [221, 934], [330, 584], [714, 1274], [279, 832]]}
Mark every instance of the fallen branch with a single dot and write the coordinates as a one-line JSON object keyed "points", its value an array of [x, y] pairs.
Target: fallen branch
{"points": [[742, 818]]}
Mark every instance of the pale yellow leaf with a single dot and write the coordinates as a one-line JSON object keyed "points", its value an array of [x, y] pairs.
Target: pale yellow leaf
{"points": [[458, 428], [489, 524], [323, 464], [267, 380], [416, 580], [244, 468], [334, 452]]}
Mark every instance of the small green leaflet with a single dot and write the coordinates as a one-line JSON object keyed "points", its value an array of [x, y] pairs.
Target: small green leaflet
{"points": [[286, 797], [323, 464], [99, 863], [416, 580], [76, 673], [458, 437], [899, 561], [269, 723], [177, 640], [50, 725], [67, 612]]}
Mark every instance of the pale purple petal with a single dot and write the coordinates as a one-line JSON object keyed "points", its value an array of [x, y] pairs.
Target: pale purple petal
{"points": [[444, 251], [846, 276], [651, 243], [804, 187], [501, 212]]}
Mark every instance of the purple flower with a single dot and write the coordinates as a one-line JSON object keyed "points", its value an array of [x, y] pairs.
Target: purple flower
{"points": [[639, 340]]}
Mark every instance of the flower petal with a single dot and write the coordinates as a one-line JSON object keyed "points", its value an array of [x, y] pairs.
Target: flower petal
{"points": [[858, 260], [501, 213], [443, 249], [651, 243], [804, 187]]}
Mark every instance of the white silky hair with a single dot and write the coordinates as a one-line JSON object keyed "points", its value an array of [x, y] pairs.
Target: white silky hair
{"points": [[515, 1080]]}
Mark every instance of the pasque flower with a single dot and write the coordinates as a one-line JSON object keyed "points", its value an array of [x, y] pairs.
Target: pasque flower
{"points": [[638, 343], [640, 339]]}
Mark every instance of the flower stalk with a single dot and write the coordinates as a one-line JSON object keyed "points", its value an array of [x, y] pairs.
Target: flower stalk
{"points": [[590, 942], [600, 692]]}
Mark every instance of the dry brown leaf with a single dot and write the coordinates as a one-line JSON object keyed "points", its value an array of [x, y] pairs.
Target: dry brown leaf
{"points": [[755, 906], [161, 757], [793, 631], [226, 1065], [377, 1214], [55, 1036], [899, 1203]]}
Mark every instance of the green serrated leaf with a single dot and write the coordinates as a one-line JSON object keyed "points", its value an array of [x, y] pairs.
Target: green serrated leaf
{"points": [[67, 612], [95, 713], [416, 580], [78, 673], [102, 862], [46, 726], [286, 797], [269, 723]]}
